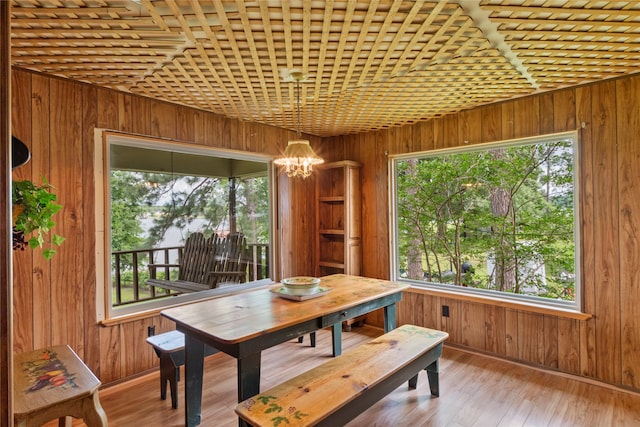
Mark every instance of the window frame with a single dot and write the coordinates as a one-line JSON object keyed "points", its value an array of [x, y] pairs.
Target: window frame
{"points": [[105, 312], [486, 294]]}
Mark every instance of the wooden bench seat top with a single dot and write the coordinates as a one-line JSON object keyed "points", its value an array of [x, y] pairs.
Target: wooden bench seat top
{"points": [[312, 396], [182, 286], [222, 290], [53, 383], [173, 341], [167, 342]]}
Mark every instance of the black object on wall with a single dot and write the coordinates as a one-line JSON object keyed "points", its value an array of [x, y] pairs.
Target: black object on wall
{"points": [[20, 153]]}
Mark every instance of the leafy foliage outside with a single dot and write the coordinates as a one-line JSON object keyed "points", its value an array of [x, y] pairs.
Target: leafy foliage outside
{"points": [[177, 201], [499, 219], [170, 200]]}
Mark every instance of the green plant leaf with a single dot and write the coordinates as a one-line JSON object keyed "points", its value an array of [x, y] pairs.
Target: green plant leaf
{"points": [[35, 205], [36, 241], [48, 253]]}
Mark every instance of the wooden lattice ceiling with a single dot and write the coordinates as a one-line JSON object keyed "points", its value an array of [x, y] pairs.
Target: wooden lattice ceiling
{"points": [[371, 64]]}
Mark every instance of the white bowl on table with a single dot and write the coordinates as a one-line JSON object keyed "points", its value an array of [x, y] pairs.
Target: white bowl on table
{"points": [[301, 285]]}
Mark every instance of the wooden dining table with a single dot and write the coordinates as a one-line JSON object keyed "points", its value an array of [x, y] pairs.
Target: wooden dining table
{"points": [[244, 324]]}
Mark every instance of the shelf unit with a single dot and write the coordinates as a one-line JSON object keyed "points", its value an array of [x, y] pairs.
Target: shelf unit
{"points": [[338, 218]]}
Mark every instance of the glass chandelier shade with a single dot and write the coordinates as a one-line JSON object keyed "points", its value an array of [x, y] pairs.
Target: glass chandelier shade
{"points": [[298, 158]]}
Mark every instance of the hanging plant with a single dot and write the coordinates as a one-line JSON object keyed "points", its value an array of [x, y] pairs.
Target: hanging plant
{"points": [[33, 208]]}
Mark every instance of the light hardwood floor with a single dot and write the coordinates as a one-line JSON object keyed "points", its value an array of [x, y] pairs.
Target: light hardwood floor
{"points": [[475, 391]]}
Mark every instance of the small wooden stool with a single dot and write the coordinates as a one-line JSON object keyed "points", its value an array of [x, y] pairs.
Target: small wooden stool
{"points": [[54, 383], [169, 346]]}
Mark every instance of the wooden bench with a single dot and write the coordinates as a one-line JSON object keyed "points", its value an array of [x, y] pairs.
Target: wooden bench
{"points": [[337, 391], [52, 383], [195, 262], [205, 263]]}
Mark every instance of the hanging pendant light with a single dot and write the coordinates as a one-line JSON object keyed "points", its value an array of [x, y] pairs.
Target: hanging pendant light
{"points": [[298, 158]]}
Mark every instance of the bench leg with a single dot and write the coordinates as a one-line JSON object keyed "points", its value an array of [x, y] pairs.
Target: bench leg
{"points": [[434, 382], [336, 337], [173, 385], [312, 338], [413, 382], [92, 413], [164, 377], [432, 375], [169, 373]]}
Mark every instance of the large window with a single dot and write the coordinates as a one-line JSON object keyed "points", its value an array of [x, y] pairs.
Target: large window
{"points": [[156, 194], [497, 219]]}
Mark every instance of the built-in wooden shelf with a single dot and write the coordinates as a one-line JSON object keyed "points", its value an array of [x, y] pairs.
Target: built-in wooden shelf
{"points": [[336, 232], [338, 237], [331, 199], [339, 222], [336, 265]]}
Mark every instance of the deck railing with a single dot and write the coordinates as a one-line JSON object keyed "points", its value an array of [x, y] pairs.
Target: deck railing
{"points": [[130, 271]]}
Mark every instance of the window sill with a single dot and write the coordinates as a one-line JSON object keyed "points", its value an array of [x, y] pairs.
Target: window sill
{"points": [[183, 300], [118, 320], [515, 305]]}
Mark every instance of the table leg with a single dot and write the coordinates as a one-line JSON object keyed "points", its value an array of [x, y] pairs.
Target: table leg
{"points": [[389, 318], [193, 371], [336, 336], [248, 376], [248, 379]]}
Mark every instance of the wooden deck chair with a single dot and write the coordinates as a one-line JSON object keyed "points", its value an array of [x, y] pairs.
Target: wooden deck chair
{"points": [[231, 260], [194, 265]]}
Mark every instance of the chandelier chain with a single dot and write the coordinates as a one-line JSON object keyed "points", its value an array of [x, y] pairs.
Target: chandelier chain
{"points": [[299, 132]]}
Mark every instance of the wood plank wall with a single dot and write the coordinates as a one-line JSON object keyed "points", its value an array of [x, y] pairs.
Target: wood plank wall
{"points": [[54, 302], [607, 115]]}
